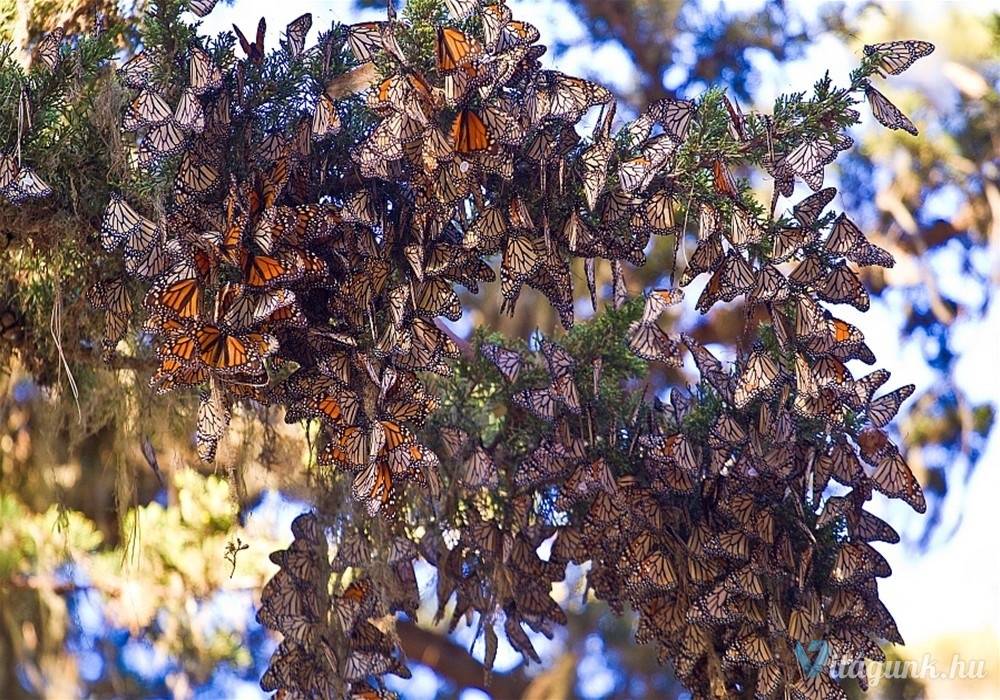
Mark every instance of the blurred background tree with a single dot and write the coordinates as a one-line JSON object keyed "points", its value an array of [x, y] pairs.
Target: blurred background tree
{"points": [[83, 498]]}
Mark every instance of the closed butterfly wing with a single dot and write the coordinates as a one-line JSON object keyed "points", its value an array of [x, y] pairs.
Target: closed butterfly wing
{"points": [[213, 420], [295, 35], [883, 409], [202, 7], [759, 378], [204, 75], [674, 116], [886, 112], [507, 362]]}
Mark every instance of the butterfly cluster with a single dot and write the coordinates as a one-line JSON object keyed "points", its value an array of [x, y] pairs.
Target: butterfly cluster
{"points": [[309, 241], [704, 515], [330, 645], [19, 183]]}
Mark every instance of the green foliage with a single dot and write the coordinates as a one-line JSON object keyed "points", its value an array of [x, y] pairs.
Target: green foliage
{"points": [[158, 584], [42, 542]]}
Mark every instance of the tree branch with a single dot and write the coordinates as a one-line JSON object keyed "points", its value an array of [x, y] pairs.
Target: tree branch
{"points": [[454, 662]]}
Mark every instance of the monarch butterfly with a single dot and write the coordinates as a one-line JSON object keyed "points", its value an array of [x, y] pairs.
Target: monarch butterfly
{"points": [[737, 276], [564, 389], [502, 32], [295, 34], [468, 133], [594, 167], [789, 241], [326, 120], [119, 222], [202, 7], [334, 406], [674, 116], [507, 362], [813, 179], [708, 365], [364, 39], [265, 270], [162, 141], [723, 180], [730, 544], [455, 49], [804, 618], [479, 469], [385, 144], [841, 285], [349, 451], [454, 440], [829, 371], [179, 292], [557, 359], [650, 342], [655, 153], [753, 650], [195, 178], [658, 301], [727, 431], [866, 386], [373, 486], [245, 310], [540, 402], [886, 112], [711, 293], [896, 56], [111, 297], [147, 109], [254, 50], [846, 239], [707, 255], [521, 259], [715, 607], [213, 419], [435, 297], [844, 465], [282, 595], [857, 561], [563, 97], [175, 371], [8, 173], [870, 528], [759, 378], [810, 157], [224, 352], [745, 230], [883, 409], [769, 285], [136, 73], [203, 75], [843, 341], [680, 452], [808, 211], [190, 115], [658, 214], [28, 185], [496, 72], [48, 49], [460, 9]]}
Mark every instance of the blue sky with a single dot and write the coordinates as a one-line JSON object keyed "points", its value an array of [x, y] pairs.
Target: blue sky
{"points": [[953, 587]]}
